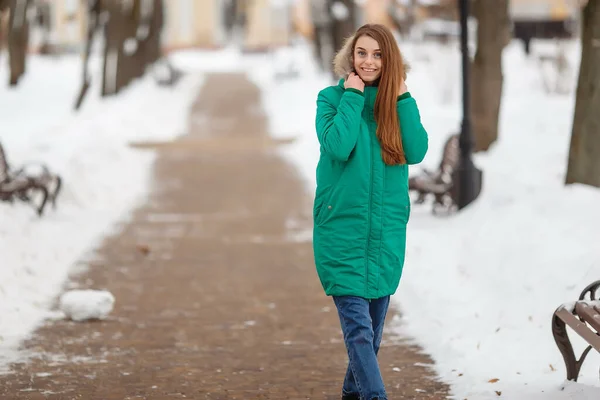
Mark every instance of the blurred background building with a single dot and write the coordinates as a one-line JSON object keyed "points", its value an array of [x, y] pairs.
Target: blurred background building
{"points": [[261, 24], [189, 23]]}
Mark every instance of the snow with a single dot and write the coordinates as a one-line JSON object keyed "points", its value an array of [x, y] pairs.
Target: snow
{"points": [[479, 287], [103, 178], [83, 305]]}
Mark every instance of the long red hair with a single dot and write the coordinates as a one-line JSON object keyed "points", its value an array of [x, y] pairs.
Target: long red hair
{"points": [[392, 72]]}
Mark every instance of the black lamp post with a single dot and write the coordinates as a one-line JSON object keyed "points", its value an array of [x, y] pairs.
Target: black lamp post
{"points": [[467, 179]]}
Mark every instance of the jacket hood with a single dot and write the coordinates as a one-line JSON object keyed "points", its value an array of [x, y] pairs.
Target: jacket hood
{"points": [[342, 63]]}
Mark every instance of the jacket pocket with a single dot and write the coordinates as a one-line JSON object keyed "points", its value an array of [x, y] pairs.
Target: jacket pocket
{"points": [[323, 207]]}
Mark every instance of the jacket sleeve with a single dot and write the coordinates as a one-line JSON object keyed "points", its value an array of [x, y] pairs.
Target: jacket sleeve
{"points": [[414, 136], [338, 129]]}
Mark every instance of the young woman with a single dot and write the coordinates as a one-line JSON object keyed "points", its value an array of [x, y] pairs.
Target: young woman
{"points": [[370, 130]]}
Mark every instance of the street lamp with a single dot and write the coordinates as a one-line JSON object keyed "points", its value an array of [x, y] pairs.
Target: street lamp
{"points": [[467, 178]]}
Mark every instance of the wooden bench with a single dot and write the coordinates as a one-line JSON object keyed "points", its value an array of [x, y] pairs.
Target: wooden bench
{"points": [[22, 184], [583, 316], [439, 183]]}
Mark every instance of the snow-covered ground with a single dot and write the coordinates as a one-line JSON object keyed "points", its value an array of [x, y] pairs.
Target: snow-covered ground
{"points": [[104, 179], [479, 287]]}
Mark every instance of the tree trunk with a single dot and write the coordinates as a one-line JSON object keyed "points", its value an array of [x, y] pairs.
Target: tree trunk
{"points": [[150, 20], [156, 28], [584, 154], [4, 5], [18, 39], [126, 29], [341, 28], [321, 21], [113, 45], [486, 80]]}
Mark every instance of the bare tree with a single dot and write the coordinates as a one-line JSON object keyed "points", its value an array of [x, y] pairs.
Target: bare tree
{"points": [[584, 154], [486, 82], [4, 6], [116, 31], [132, 42], [321, 20], [18, 39], [343, 17]]}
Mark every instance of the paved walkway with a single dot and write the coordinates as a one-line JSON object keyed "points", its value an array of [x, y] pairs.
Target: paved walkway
{"points": [[217, 296]]}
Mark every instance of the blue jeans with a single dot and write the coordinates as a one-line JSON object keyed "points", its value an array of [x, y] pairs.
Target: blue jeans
{"points": [[362, 325]]}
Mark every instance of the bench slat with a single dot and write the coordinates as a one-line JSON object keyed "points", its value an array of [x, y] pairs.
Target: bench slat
{"points": [[589, 314], [581, 328]]}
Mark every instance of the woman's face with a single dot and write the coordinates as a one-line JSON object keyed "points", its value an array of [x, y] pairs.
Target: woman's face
{"points": [[367, 59]]}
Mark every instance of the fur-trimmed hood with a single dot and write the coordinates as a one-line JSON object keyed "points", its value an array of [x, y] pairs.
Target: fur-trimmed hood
{"points": [[342, 63]]}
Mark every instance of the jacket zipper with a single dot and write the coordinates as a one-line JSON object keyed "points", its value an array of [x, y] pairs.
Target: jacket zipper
{"points": [[371, 117]]}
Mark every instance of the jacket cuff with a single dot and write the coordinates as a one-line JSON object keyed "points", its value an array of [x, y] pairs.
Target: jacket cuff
{"points": [[355, 91], [404, 96]]}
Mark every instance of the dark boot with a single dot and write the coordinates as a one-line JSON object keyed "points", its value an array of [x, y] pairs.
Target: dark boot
{"points": [[351, 396]]}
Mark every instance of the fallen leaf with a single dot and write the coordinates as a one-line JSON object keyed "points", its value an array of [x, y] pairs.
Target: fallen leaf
{"points": [[460, 374], [552, 367], [493, 380], [144, 249], [499, 393]]}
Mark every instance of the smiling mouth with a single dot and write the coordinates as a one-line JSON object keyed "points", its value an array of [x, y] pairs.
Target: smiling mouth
{"points": [[368, 69]]}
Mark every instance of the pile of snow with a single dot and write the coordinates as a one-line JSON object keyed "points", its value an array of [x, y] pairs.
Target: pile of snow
{"points": [[479, 287], [83, 305], [103, 178]]}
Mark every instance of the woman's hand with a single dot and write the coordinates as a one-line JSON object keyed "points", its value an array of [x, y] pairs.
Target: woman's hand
{"points": [[403, 88], [354, 82]]}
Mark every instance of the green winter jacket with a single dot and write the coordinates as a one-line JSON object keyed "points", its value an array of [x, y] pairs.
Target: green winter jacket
{"points": [[361, 205]]}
